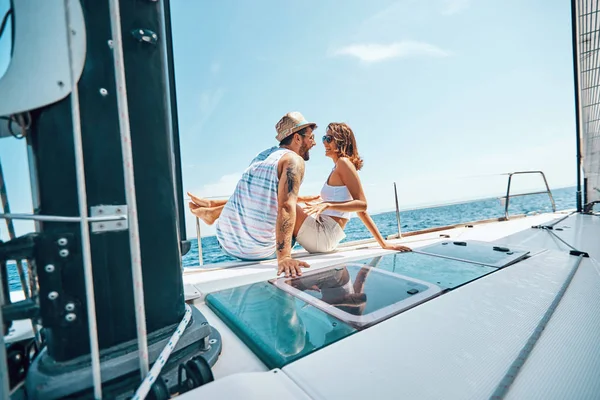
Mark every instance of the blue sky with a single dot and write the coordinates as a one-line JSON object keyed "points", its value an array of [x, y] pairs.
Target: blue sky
{"points": [[443, 95]]}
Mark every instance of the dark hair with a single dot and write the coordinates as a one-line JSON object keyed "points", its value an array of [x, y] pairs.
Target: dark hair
{"points": [[288, 140], [346, 142]]}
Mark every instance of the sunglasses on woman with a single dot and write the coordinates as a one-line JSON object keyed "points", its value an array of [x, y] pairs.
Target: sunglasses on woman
{"points": [[327, 138]]}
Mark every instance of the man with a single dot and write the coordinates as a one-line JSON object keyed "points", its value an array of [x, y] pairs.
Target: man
{"points": [[258, 221]]}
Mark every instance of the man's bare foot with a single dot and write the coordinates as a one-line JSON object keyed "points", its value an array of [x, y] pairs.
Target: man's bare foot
{"points": [[206, 214], [200, 201]]}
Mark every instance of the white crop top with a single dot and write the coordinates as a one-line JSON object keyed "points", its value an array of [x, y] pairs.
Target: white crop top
{"points": [[335, 194]]}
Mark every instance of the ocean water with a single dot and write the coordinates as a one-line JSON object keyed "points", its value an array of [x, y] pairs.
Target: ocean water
{"points": [[411, 220], [414, 220]]}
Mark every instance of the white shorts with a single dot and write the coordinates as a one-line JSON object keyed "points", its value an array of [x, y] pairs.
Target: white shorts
{"points": [[320, 234]]}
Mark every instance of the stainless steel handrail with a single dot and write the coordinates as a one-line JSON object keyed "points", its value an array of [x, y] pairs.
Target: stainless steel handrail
{"points": [[200, 258], [397, 212], [510, 175]]}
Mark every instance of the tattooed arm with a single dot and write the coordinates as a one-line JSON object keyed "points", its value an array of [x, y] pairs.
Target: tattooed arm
{"points": [[291, 173]]}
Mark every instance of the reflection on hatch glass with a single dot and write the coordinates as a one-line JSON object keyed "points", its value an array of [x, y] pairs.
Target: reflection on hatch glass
{"points": [[358, 294], [444, 272], [479, 252], [355, 289]]}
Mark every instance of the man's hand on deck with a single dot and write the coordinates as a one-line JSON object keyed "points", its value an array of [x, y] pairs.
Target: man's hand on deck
{"points": [[291, 267]]}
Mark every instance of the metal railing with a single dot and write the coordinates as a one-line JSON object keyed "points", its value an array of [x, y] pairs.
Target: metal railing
{"points": [[508, 195], [397, 212], [200, 257]]}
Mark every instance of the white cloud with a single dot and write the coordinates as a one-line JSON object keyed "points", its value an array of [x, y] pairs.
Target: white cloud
{"points": [[374, 52], [215, 68], [406, 12], [207, 104], [454, 6], [224, 187]]}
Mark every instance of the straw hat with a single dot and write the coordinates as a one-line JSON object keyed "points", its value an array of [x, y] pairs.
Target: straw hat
{"points": [[291, 123]]}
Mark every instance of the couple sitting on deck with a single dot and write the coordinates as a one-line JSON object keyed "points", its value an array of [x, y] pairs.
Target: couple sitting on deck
{"points": [[263, 218]]}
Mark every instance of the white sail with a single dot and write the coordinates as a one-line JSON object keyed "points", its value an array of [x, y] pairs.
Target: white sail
{"points": [[588, 40]]}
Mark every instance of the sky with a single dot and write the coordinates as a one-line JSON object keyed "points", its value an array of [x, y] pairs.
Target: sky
{"points": [[444, 96]]}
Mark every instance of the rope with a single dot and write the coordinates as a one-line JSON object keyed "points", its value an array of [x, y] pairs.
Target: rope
{"points": [[24, 122], [559, 238], [4, 21], [144, 388], [550, 230], [84, 228], [130, 193], [560, 220], [510, 376]]}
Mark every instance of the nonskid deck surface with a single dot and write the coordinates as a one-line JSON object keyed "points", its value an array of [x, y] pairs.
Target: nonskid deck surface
{"points": [[459, 345]]}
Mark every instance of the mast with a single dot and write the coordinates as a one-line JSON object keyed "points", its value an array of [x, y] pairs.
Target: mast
{"points": [[576, 76], [586, 62], [106, 155]]}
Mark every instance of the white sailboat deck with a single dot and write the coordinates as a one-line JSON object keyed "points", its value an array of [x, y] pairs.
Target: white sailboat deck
{"points": [[459, 345]]}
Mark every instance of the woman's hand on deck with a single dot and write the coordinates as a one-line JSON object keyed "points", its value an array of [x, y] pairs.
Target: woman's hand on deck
{"points": [[308, 199], [396, 247], [316, 208]]}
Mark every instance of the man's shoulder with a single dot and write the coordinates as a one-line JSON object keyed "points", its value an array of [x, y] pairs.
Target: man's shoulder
{"points": [[291, 157], [263, 155]]}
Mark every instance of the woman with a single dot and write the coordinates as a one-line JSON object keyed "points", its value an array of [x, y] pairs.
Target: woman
{"points": [[322, 224]]}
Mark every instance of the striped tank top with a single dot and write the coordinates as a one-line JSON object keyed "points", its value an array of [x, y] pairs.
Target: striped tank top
{"points": [[246, 226]]}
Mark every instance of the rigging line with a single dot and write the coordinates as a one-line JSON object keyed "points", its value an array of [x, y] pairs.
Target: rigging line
{"points": [[550, 231], [595, 74], [4, 21], [130, 192], [160, 362], [86, 252], [556, 236], [562, 219], [20, 120], [514, 369]]}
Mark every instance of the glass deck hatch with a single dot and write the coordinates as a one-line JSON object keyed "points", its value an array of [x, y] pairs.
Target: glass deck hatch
{"points": [[285, 319], [358, 294], [490, 254], [278, 327]]}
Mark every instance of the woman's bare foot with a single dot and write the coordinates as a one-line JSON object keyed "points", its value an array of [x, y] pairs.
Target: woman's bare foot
{"points": [[206, 214], [200, 201]]}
